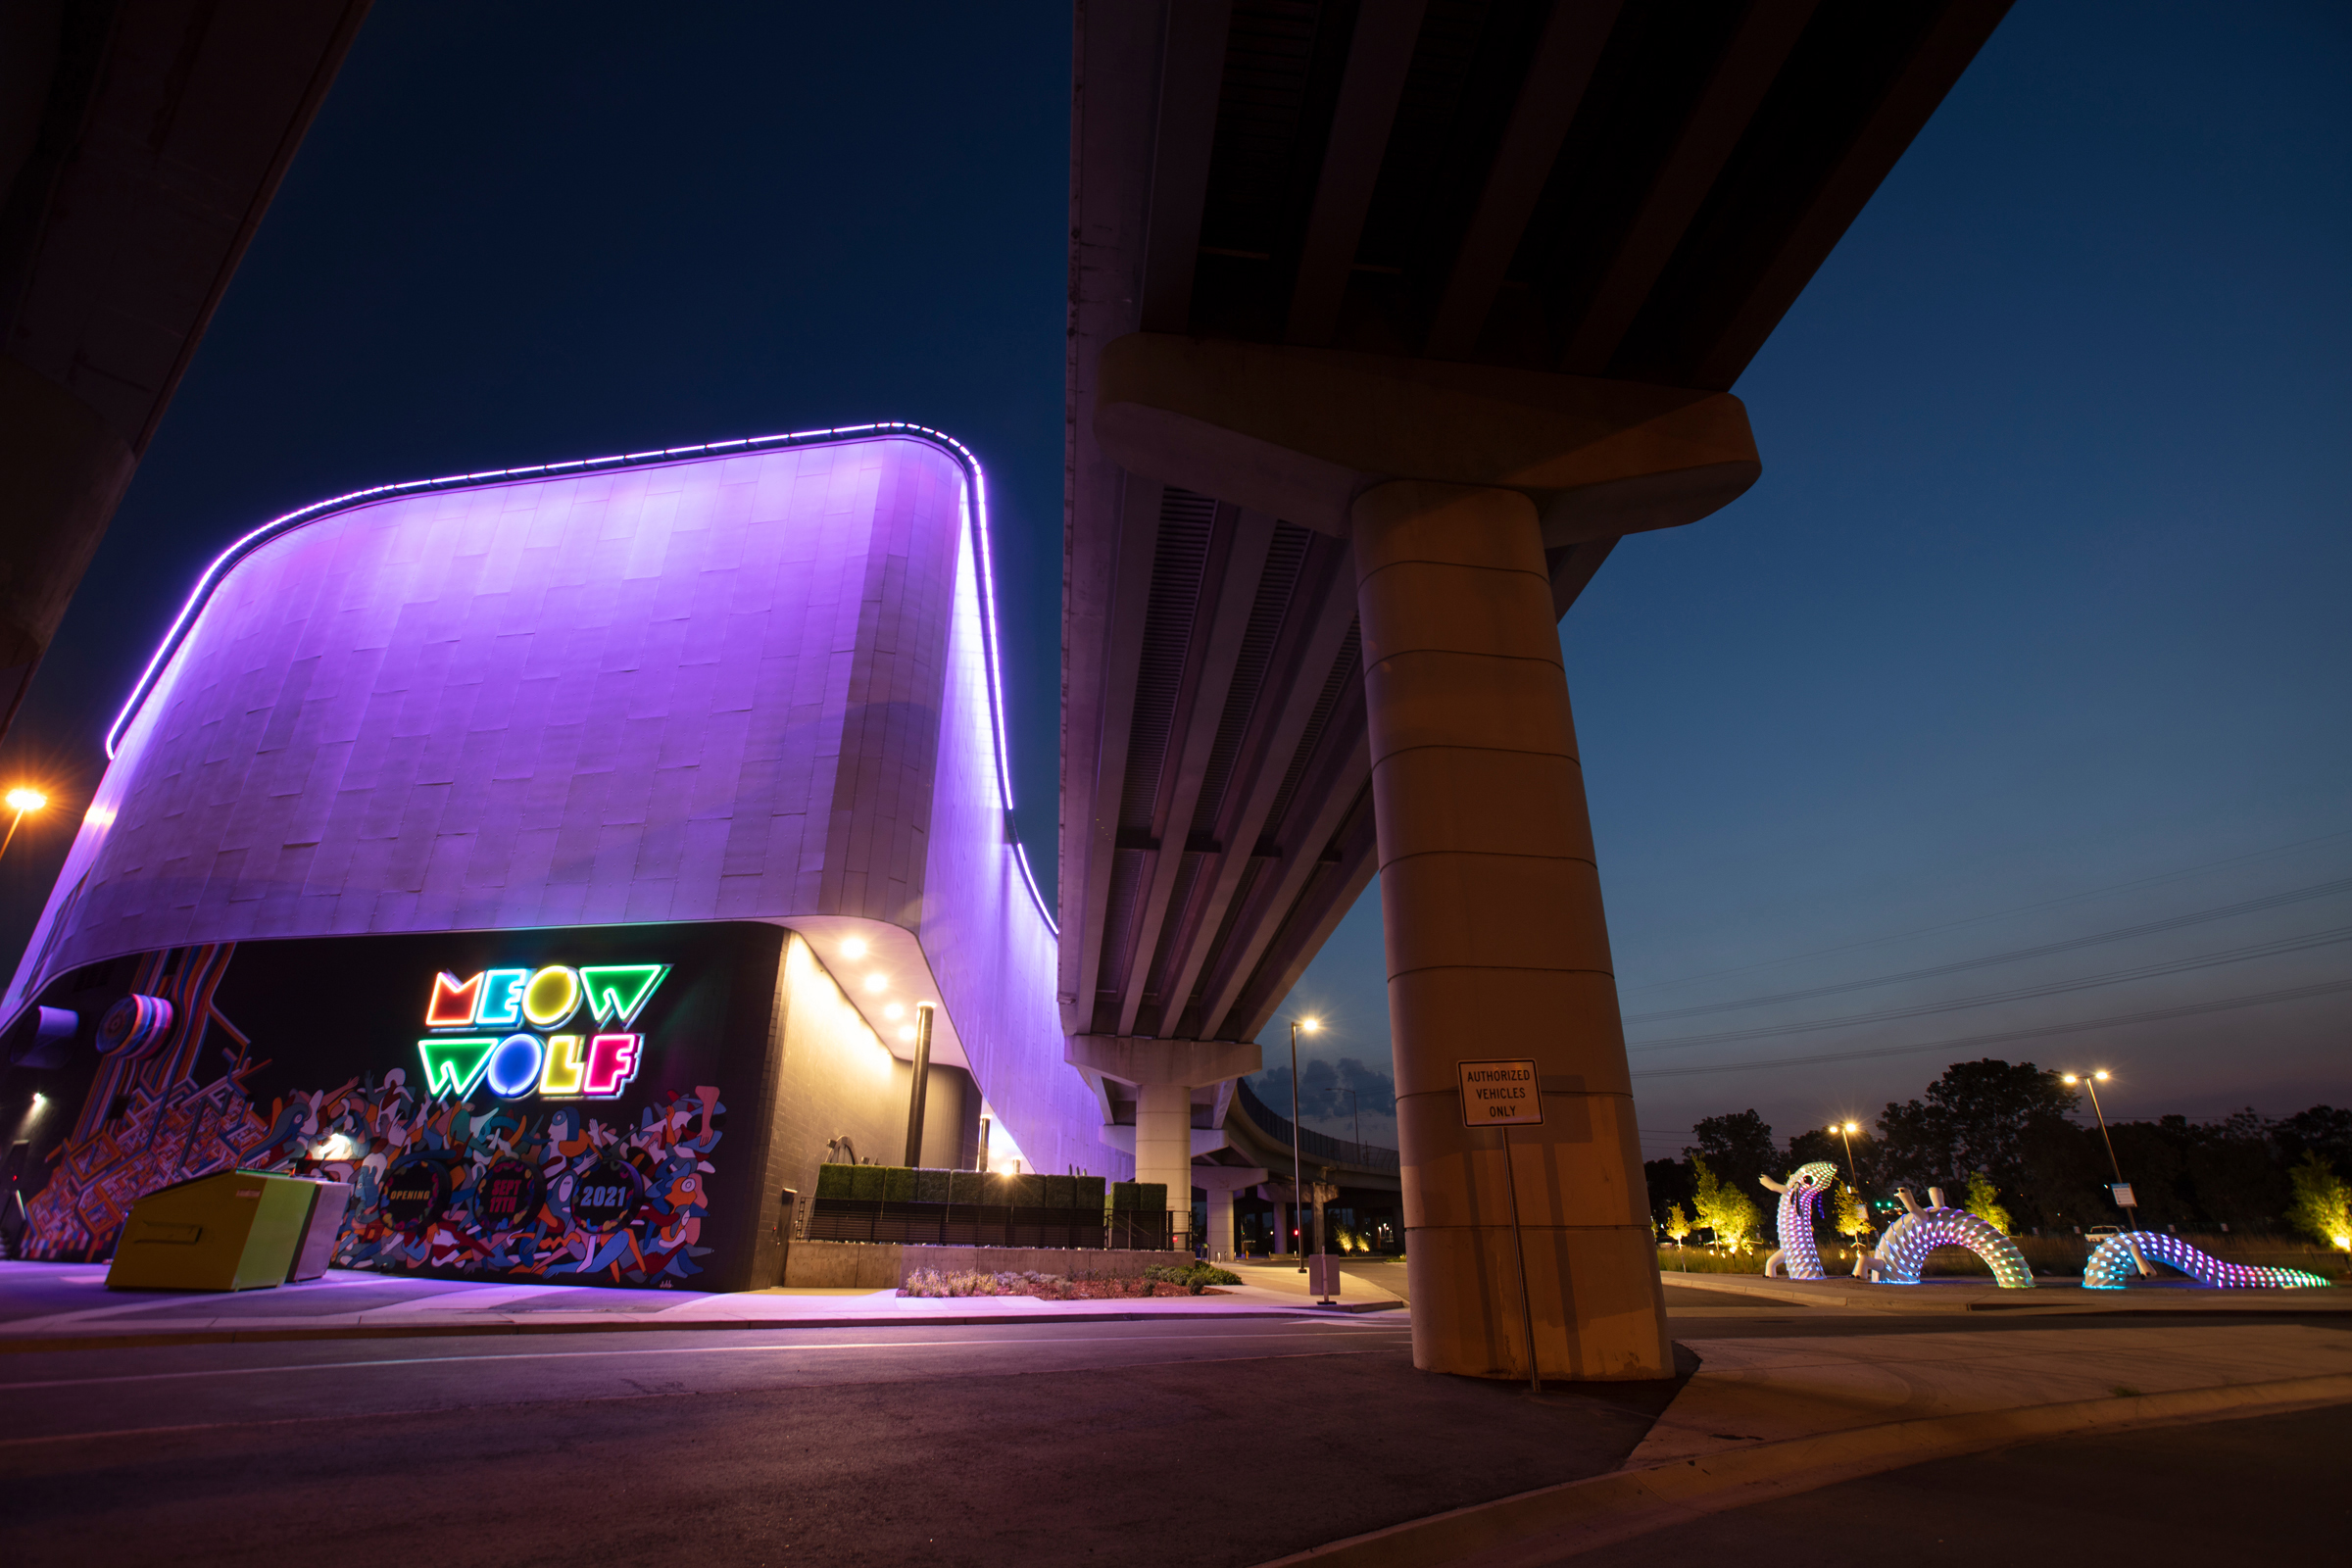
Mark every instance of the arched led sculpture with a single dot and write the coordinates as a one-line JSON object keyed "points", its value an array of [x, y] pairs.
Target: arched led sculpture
{"points": [[1909, 1240], [2107, 1267], [1799, 1258]]}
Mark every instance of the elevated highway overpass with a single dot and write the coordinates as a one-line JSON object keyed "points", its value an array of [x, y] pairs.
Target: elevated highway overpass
{"points": [[1388, 318], [140, 146]]}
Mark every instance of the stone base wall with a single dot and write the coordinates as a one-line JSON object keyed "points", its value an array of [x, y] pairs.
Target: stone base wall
{"points": [[885, 1265]]}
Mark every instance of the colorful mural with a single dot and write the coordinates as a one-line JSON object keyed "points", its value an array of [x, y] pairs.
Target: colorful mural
{"points": [[507, 1190], [593, 1192]]}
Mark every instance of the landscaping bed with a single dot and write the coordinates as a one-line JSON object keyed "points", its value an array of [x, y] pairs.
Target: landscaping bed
{"points": [[1196, 1279]]}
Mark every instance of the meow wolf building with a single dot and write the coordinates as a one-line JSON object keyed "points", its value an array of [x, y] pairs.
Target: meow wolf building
{"points": [[567, 857]]}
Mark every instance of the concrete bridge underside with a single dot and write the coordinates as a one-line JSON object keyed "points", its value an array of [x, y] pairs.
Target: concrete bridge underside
{"points": [[1388, 320]]}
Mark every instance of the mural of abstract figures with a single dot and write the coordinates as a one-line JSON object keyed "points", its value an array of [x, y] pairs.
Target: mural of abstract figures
{"points": [[523, 1194], [152, 1116], [473, 1187]]}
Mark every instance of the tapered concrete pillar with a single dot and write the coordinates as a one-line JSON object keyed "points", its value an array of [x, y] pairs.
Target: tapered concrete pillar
{"points": [[1163, 1139], [1220, 1182], [1497, 947]]}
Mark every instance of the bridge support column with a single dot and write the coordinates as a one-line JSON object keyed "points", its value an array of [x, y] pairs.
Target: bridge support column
{"points": [[1497, 947], [1162, 1073], [1163, 1139], [1220, 1182], [1220, 1223]]}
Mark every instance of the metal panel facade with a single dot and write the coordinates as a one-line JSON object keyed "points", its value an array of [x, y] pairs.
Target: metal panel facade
{"points": [[745, 686]]}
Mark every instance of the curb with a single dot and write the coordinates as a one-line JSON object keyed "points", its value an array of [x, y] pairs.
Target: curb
{"points": [[1894, 1301], [1555, 1523], [26, 1345]]}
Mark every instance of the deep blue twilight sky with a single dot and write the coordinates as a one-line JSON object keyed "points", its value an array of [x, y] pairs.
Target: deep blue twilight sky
{"points": [[2035, 629]]}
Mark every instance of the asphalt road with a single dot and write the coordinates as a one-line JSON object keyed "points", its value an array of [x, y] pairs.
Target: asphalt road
{"points": [[1199, 1443], [1193, 1443], [2268, 1489]]}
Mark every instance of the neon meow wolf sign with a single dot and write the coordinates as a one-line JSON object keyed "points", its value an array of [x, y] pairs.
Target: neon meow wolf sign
{"points": [[583, 1063]]}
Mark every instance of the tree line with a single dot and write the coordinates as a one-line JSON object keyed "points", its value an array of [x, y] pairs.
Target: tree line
{"points": [[2002, 1136]]}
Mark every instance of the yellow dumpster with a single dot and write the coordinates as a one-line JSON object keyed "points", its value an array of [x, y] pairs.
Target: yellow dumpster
{"points": [[235, 1230]]}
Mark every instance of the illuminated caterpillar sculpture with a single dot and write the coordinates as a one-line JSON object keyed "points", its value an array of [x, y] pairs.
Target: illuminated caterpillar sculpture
{"points": [[1909, 1240], [1797, 1257], [2106, 1267]]}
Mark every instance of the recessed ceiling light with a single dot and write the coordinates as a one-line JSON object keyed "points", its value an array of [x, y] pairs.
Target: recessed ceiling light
{"points": [[854, 948], [905, 1031], [893, 1010], [877, 982]]}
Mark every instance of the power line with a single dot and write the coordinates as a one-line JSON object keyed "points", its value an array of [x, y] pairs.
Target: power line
{"points": [[1997, 915], [2174, 923], [1968, 1042], [2054, 988]]}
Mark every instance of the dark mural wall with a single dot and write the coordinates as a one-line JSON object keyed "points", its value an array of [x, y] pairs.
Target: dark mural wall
{"points": [[306, 1055]]}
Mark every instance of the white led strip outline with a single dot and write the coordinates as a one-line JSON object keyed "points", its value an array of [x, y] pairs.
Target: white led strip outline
{"points": [[975, 477]]}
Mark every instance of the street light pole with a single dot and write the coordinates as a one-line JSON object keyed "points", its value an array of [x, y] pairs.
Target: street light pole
{"points": [[1845, 1131], [2091, 1082], [1298, 1188]]}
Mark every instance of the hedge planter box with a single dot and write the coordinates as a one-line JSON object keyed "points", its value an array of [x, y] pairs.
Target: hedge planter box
{"points": [[980, 1208]]}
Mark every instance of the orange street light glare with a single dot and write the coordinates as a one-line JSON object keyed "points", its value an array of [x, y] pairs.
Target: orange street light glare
{"points": [[1310, 1025], [21, 799]]}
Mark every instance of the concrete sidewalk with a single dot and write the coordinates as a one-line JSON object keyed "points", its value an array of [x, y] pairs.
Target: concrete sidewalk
{"points": [[51, 1307], [1765, 1418]]}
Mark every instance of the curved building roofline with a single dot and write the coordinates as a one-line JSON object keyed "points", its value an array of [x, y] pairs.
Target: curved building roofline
{"points": [[975, 477]]}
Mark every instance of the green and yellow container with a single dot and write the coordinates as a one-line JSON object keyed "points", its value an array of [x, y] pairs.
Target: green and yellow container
{"points": [[235, 1230]]}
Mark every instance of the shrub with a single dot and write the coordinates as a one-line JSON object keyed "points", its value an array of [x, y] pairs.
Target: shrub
{"points": [[1158, 1280], [1191, 1276], [934, 1282], [2323, 1205], [1853, 1215], [1984, 1201], [1724, 1209]]}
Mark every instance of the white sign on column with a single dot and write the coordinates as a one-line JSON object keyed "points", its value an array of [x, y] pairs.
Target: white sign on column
{"points": [[1501, 1094]]}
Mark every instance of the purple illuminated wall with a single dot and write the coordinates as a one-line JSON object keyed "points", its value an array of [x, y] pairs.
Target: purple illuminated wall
{"points": [[741, 686]]}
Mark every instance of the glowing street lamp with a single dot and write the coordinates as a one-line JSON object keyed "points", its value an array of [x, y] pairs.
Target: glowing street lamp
{"points": [[1297, 1186], [20, 801], [1845, 1131], [2122, 1189]]}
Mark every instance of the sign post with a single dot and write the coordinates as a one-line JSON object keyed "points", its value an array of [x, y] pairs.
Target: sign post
{"points": [[2121, 1192], [1504, 1095]]}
